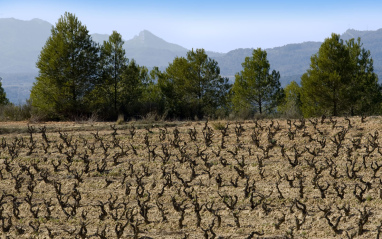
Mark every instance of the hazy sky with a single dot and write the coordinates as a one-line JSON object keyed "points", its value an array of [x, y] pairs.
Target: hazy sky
{"points": [[213, 25]]}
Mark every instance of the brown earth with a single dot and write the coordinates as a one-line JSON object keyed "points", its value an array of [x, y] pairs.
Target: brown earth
{"points": [[317, 178]]}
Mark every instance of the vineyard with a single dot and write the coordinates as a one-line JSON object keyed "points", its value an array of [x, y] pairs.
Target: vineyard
{"points": [[314, 178]]}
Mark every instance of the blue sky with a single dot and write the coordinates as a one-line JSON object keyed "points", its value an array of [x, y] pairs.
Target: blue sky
{"points": [[213, 25]]}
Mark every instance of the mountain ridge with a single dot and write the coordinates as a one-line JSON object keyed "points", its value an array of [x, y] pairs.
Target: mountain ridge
{"points": [[18, 56]]}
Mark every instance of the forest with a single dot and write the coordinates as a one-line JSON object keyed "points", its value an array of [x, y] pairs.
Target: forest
{"points": [[81, 79]]}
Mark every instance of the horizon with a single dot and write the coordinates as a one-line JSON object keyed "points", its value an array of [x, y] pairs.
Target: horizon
{"points": [[217, 26]]}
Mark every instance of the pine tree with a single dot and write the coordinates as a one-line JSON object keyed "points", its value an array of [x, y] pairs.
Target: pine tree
{"points": [[340, 80], [67, 70], [208, 87], [193, 86], [291, 103], [113, 63], [133, 85], [3, 95], [256, 89]]}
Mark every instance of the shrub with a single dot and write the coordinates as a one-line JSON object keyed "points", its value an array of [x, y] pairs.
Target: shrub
{"points": [[218, 125], [120, 120], [11, 112]]}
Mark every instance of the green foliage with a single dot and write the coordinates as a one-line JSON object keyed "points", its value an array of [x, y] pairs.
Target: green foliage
{"points": [[11, 112], [3, 96], [125, 88], [67, 70], [120, 120], [193, 86], [151, 100], [364, 91], [291, 103], [340, 80], [134, 81], [77, 78], [255, 88], [113, 64], [218, 126]]}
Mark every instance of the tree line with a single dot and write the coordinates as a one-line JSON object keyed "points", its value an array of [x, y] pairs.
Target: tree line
{"points": [[79, 78]]}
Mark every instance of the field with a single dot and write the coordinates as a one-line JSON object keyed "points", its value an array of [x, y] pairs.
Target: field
{"points": [[316, 178]]}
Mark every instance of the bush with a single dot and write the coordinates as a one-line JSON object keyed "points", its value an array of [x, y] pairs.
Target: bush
{"points": [[218, 126], [11, 112], [121, 119], [242, 114]]}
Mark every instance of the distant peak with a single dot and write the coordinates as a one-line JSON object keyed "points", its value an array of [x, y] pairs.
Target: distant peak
{"points": [[352, 31], [37, 20], [144, 34], [19, 20], [146, 39], [10, 19], [32, 21]]}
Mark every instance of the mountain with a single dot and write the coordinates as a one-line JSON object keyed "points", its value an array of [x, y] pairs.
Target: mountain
{"points": [[149, 50], [371, 40], [22, 41], [100, 38], [20, 45], [291, 60]]}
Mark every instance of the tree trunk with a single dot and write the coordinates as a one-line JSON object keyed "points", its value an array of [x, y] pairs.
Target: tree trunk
{"points": [[334, 103], [115, 86], [260, 107]]}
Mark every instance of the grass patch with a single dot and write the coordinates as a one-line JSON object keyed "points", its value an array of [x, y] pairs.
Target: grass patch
{"points": [[218, 126]]}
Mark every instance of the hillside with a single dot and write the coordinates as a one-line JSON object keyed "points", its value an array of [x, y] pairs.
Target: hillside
{"points": [[291, 60], [20, 44], [372, 40], [150, 50], [22, 41]]}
